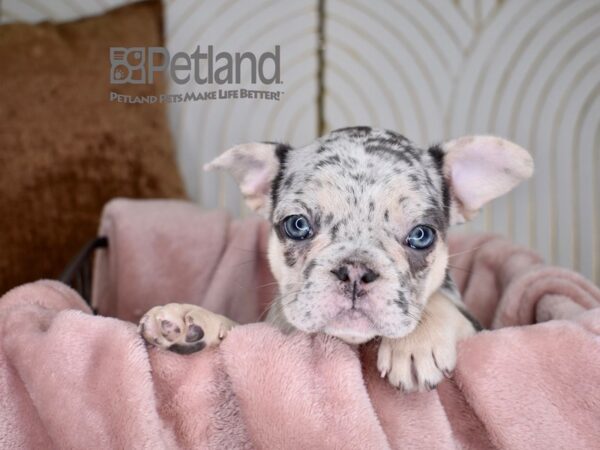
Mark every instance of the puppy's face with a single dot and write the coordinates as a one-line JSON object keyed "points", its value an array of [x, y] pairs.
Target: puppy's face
{"points": [[360, 219]]}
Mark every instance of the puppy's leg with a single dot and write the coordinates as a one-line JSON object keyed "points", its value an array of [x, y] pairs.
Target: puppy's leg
{"points": [[183, 328], [420, 360]]}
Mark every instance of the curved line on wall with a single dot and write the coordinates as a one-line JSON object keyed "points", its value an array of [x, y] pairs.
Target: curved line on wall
{"points": [[409, 86], [490, 61], [305, 79], [532, 70], [225, 35], [595, 153], [486, 65], [551, 44], [420, 63], [357, 89], [195, 38], [180, 22], [41, 9], [424, 32], [296, 61], [579, 76], [182, 110], [515, 57], [475, 41], [342, 107], [380, 83], [74, 7], [433, 11]]}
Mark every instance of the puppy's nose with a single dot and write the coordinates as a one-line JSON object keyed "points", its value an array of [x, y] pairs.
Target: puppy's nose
{"points": [[351, 273]]}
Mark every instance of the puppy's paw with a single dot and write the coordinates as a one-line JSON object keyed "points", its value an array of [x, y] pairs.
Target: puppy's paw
{"points": [[420, 360], [183, 328], [416, 366]]}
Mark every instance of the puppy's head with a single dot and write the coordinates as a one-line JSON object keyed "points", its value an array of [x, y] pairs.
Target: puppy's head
{"points": [[360, 219]]}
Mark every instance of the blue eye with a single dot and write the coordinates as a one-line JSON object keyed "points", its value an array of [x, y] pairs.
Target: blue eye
{"points": [[297, 227], [420, 237]]}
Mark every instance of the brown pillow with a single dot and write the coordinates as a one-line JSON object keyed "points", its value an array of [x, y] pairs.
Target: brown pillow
{"points": [[65, 149]]}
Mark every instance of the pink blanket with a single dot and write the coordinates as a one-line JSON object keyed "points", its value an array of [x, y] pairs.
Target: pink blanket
{"points": [[72, 380]]}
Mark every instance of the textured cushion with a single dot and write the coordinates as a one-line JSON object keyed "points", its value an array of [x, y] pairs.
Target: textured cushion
{"points": [[65, 149]]}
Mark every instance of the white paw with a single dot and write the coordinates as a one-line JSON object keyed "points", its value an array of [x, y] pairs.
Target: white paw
{"points": [[183, 328], [420, 360], [413, 366]]}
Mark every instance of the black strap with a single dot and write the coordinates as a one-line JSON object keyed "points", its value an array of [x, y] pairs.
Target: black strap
{"points": [[78, 273]]}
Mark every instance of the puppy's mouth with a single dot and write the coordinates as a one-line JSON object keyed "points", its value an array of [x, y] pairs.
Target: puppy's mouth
{"points": [[379, 310], [352, 325]]}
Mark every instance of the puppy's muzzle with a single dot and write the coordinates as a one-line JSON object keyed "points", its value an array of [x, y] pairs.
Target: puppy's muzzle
{"points": [[352, 272], [354, 276]]}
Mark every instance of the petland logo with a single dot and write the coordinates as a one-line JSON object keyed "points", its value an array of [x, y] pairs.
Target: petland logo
{"points": [[139, 65]]}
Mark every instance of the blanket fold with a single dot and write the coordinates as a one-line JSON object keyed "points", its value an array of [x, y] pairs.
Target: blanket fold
{"points": [[163, 251], [69, 379]]}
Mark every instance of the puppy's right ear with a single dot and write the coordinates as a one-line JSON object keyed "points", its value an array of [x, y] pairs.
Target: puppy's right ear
{"points": [[254, 166], [479, 169]]}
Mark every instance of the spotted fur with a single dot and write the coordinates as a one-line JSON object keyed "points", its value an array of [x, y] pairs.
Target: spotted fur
{"points": [[355, 276], [363, 190]]}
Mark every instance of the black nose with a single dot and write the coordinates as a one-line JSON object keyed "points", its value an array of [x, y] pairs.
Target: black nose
{"points": [[352, 272]]}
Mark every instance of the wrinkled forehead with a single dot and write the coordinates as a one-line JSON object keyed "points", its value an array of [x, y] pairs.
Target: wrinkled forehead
{"points": [[359, 169]]}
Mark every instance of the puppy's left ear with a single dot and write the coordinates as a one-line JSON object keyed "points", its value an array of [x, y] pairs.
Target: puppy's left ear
{"points": [[253, 166], [479, 169]]}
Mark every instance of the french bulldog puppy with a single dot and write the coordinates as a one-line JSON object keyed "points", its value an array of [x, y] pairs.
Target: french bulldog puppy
{"points": [[358, 244]]}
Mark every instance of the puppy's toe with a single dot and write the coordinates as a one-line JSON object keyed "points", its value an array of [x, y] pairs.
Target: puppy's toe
{"points": [[183, 328], [395, 364], [161, 326], [384, 357], [444, 358], [415, 366], [400, 375], [187, 347], [170, 329], [425, 371], [194, 333], [207, 327]]}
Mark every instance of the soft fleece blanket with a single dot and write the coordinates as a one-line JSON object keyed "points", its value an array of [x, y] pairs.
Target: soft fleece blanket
{"points": [[69, 379]]}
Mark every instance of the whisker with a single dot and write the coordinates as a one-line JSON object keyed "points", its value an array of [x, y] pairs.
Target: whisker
{"points": [[250, 250], [266, 285], [277, 300], [465, 251], [275, 282], [459, 268], [235, 266]]}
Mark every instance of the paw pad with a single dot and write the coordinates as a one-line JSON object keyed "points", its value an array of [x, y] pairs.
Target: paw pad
{"points": [[183, 328], [186, 349], [169, 329], [194, 333]]}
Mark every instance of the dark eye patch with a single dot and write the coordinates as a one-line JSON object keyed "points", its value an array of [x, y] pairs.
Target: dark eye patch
{"points": [[309, 268], [417, 260], [281, 151], [437, 218], [437, 156], [290, 256]]}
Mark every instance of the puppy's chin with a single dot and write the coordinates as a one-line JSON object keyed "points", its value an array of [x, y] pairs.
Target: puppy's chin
{"points": [[349, 336], [352, 327]]}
